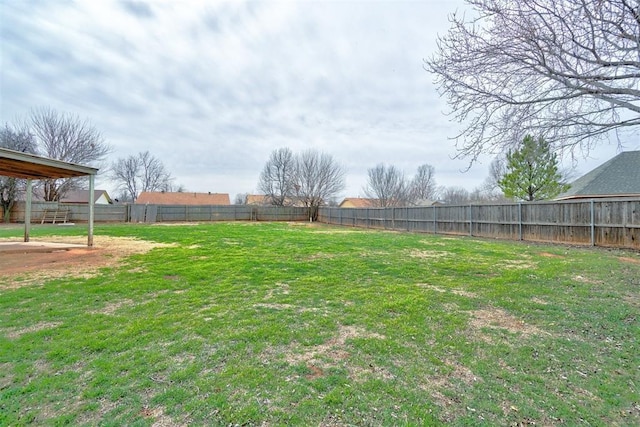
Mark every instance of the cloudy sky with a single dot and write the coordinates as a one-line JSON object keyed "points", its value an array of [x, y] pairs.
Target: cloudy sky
{"points": [[211, 88]]}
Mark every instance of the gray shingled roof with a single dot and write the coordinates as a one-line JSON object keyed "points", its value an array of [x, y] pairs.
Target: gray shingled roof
{"points": [[617, 177]]}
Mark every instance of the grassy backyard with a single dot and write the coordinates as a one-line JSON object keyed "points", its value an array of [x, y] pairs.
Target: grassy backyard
{"points": [[298, 324]]}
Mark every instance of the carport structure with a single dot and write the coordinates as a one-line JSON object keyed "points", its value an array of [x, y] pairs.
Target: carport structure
{"points": [[27, 166]]}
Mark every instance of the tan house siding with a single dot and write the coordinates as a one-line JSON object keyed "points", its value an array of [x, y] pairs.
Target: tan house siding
{"points": [[257, 199], [357, 202]]}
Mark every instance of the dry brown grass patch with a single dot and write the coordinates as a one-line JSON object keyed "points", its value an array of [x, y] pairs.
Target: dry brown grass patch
{"points": [[416, 253], [629, 259], [114, 306], [460, 292], [17, 333], [332, 352], [498, 318], [550, 255], [587, 280], [516, 264], [274, 306]]}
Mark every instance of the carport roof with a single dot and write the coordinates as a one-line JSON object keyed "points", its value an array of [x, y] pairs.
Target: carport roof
{"points": [[29, 166]]}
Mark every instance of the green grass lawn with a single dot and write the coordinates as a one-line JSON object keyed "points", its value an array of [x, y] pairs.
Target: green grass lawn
{"points": [[291, 324]]}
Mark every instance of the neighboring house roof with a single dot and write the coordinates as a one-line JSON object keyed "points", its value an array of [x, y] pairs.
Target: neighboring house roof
{"points": [[618, 177], [82, 196], [428, 202], [182, 198], [357, 202]]}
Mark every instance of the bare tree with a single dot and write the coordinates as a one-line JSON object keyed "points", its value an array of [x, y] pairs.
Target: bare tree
{"points": [[18, 139], [181, 188], [483, 194], [497, 169], [277, 177], [423, 185], [141, 172], [124, 172], [387, 185], [318, 178], [241, 199], [566, 70], [153, 175], [454, 195], [68, 138]]}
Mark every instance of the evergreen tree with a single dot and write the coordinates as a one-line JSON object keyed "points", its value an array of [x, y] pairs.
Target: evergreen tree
{"points": [[532, 172]]}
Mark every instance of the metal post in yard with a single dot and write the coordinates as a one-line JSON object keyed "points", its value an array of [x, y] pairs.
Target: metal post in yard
{"points": [[91, 210], [27, 213]]}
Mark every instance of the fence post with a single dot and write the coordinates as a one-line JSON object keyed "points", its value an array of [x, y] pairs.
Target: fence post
{"points": [[471, 220], [520, 221], [393, 218], [406, 217], [435, 225], [593, 223]]}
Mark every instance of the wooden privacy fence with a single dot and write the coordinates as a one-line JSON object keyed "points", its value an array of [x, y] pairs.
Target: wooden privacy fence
{"points": [[596, 222], [172, 213], [79, 212]]}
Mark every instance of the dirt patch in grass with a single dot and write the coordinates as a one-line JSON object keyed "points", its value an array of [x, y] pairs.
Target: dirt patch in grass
{"points": [[433, 243], [539, 301], [274, 306], [280, 289], [326, 355], [460, 292], [159, 418], [515, 264], [17, 333], [583, 279], [21, 269], [112, 307], [629, 259], [498, 318], [444, 388], [416, 253], [550, 255]]}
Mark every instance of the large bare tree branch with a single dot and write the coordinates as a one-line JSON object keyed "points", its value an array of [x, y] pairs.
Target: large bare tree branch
{"points": [[567, 70], [68, 138]]}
